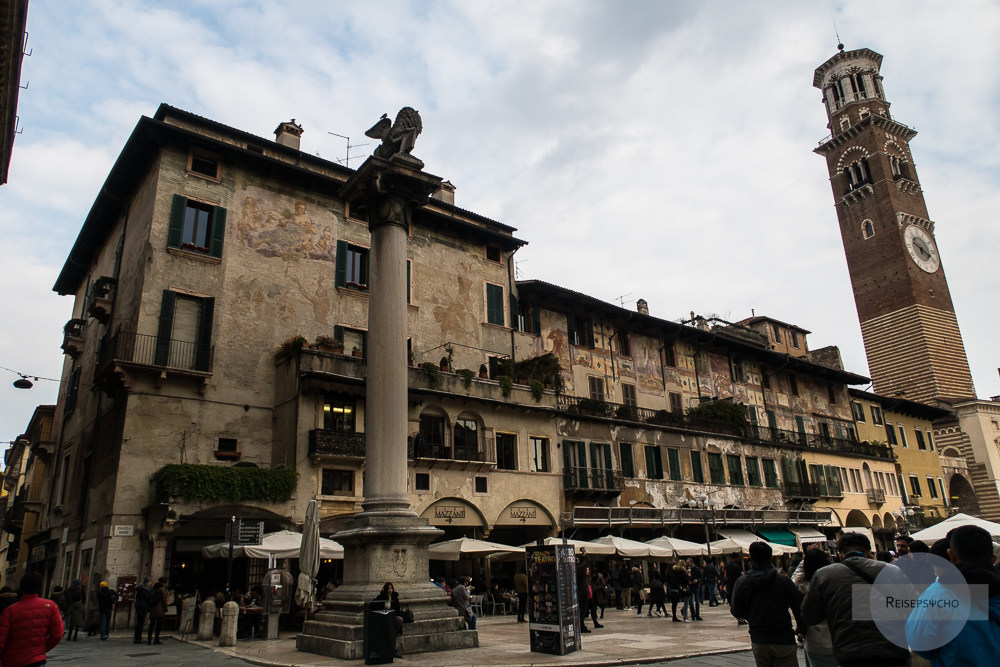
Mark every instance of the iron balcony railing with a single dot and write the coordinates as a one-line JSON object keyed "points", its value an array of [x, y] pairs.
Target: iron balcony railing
{"points": [[145, 350], [650, 516], [446, 446], [796, 489], [759, 434], [875, 496], [327, 442], [593, 479]]}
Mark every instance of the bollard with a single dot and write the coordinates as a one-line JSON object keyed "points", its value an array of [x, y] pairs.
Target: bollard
{"points": [[230, 613], [187, 615], [206, 622]]}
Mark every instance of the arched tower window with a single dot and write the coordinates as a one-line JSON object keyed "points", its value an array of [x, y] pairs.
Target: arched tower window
{"points": [[867, 229], [900, 168], [857, 174]]}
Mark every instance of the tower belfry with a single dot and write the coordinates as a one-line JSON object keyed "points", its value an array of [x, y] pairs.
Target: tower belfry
{"points": [[911, 335]]}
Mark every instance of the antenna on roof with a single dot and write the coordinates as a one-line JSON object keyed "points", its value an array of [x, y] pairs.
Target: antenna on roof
{"points": [[347, 155], [517, 268], [621, 299]]}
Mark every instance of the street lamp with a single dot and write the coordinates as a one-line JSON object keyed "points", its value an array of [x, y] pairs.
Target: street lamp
{"points": [[707, 506], [903, 517]]}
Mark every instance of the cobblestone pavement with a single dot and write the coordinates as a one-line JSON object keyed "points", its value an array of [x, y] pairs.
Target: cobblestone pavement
{"points": [[119, 651]]}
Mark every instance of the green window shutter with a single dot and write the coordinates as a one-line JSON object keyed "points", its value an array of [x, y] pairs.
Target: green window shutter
{"points": [[625, 454], [203, 359], [536, 316], [514, 319], [218, 231], [338, 333], [166, 327], [788, 469], [408, 281], [582, 454], [697, 473], [590, 332], [650, 462], [494, 304], [341, 269], [176, 228], [571, 328], [673, 456], [772, 421]]}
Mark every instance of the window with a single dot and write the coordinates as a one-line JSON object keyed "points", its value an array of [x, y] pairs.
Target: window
{"points": [[624, 347], [857, 174], [196, 226], [65, 480], [625, 456], [628, 395], [824, 430], [931, 488], [422, 481], [930, 441], [701, 362], [493, 253], [466, 440], [528, 317], [831, 393], [654, 462], [753, 471], [676, 403], [352, 266], [539, 454], [890, 435], [72, 390], [921, 445], [800, 426], [795, 339], [506, 451], [775, 333], [697, 474], [793, 385], [735, 470], [494, 304], [944, 496], [876, 415], [432, 436], [596, 388], [338, 415], [184, 336], [738, 370], [770, 474], [867, 229], [481, 485], [902, 436], [602, 464], [674, 461], [715, 472], [203, 165], [355, 339], [227, 445], [915, 485], [856, 476], [859, 411], [580, 328], [337, 482], [669, 358]]}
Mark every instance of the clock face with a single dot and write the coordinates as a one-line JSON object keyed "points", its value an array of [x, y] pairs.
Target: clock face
{"points": [[922, 250]]}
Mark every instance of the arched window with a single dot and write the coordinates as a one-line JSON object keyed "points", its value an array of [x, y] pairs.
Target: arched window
{"points": [[857, 174], [467, 437], [867, 229]]}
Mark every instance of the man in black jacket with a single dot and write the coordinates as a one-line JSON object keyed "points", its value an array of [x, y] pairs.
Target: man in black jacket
{"points": [[764, 597], [143, 596]]}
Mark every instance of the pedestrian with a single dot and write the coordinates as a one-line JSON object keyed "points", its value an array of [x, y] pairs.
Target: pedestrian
{"points": [[105, 603], [764, 597], [157, 612], [74, 610], [657, 594], [677, 583], [460, 599], [734, 570], [819, 644], [903, 543], [694, 568], [637, 586], [614, 580], [625, 581], [598, 585], [30, 628], [970, 548], [389, 595], [711, 574], [521, 588], [143, 596], [7, 597], [856, 642], [59, 597]]}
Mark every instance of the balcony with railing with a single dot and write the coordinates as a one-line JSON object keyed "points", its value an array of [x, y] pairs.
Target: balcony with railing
{"points": [[669, 516], [593, 480], [336, 444], [126, 353], [467, 450], [73, 340], [876, 497], [100, 298], [796, 490]]}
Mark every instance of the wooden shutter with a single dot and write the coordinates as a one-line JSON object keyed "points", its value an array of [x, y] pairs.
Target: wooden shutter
{"points": [[340, 272], [590, 332], [218, 231], [515, 320], [176, 228], [571, 329], [338, 333], [203, 360], [166, 327], [536, 317]]}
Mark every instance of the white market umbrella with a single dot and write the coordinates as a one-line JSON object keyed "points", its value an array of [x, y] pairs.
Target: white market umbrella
{"points": [[742, 539], [940, 530], [282, 544], [679, 547], [728, 546], [467, 547], [631, 548], [592, 549], [305, 591]]}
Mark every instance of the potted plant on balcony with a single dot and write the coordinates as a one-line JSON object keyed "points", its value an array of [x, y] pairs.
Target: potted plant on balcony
{"points": [[506, 385], [537, 389], [444, 364], [356, 351], [291, 346], [484, 373], [330, 344], [467, 376], [432, 374]]}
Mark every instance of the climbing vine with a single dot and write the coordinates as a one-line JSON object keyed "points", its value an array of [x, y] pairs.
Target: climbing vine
{"points": [[217, 483]]}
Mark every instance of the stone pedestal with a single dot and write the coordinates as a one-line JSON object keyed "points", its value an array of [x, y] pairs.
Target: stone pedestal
{"points": [[387, 542], [230, 616], [206, 621]]}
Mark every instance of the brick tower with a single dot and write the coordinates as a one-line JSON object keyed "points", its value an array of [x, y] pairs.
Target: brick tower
{"points": [[911, 336]]}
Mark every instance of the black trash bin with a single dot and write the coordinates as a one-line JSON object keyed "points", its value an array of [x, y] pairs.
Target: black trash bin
{"points": [[379, 635]]}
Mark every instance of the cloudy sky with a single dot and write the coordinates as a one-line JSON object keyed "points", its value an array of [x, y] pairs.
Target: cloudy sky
{"points": [[656, 150]]}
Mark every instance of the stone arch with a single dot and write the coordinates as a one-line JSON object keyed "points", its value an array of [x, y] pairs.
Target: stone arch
{"points": [[961, 495], [453, 511], [525, 512], [951, 452], [889, 521], [867, 229], [876, 521], [856, 518], [892, 148], [856, 153]]}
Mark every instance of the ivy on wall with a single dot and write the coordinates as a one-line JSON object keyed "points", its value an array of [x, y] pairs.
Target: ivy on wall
{"points": [[193, 481]]}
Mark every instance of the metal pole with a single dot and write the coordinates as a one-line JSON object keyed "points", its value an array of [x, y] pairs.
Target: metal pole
{"points": [[229, 565]]}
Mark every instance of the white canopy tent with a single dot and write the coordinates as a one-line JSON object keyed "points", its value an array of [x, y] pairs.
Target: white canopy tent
{"points": [[592, 548], [274, 546], [940, 530], [464, 546], [742, 539], [679, 547], [806, 536], [631, 548]]}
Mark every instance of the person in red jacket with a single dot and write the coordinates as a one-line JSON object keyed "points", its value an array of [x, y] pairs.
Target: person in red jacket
{"points": [[30, 628]]}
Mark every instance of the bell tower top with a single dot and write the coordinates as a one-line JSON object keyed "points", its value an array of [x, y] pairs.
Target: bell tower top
{"points": [[851, 83]]}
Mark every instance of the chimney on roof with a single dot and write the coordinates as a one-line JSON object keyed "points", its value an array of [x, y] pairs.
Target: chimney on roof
{"points": [[445, 193], [642, 306], [288, 134]]}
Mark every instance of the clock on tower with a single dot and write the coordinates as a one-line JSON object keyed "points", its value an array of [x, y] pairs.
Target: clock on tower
{"points": [[911, 335]]}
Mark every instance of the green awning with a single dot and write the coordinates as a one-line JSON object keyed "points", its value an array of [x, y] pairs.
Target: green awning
{"points": [[777, 535]]}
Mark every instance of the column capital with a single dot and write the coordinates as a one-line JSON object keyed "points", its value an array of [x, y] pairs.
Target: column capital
{"points": [[391, 188]]}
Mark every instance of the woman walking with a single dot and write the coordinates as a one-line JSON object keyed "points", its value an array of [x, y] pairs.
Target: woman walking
{"points": [[678, 582], [74, 610]]}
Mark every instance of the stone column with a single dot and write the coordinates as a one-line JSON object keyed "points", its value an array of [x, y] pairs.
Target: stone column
{"points": [[206, 621]]}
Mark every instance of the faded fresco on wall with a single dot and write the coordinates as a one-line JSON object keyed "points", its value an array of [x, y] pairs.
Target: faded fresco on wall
{"points": [[290, 234], [647, 367]]}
